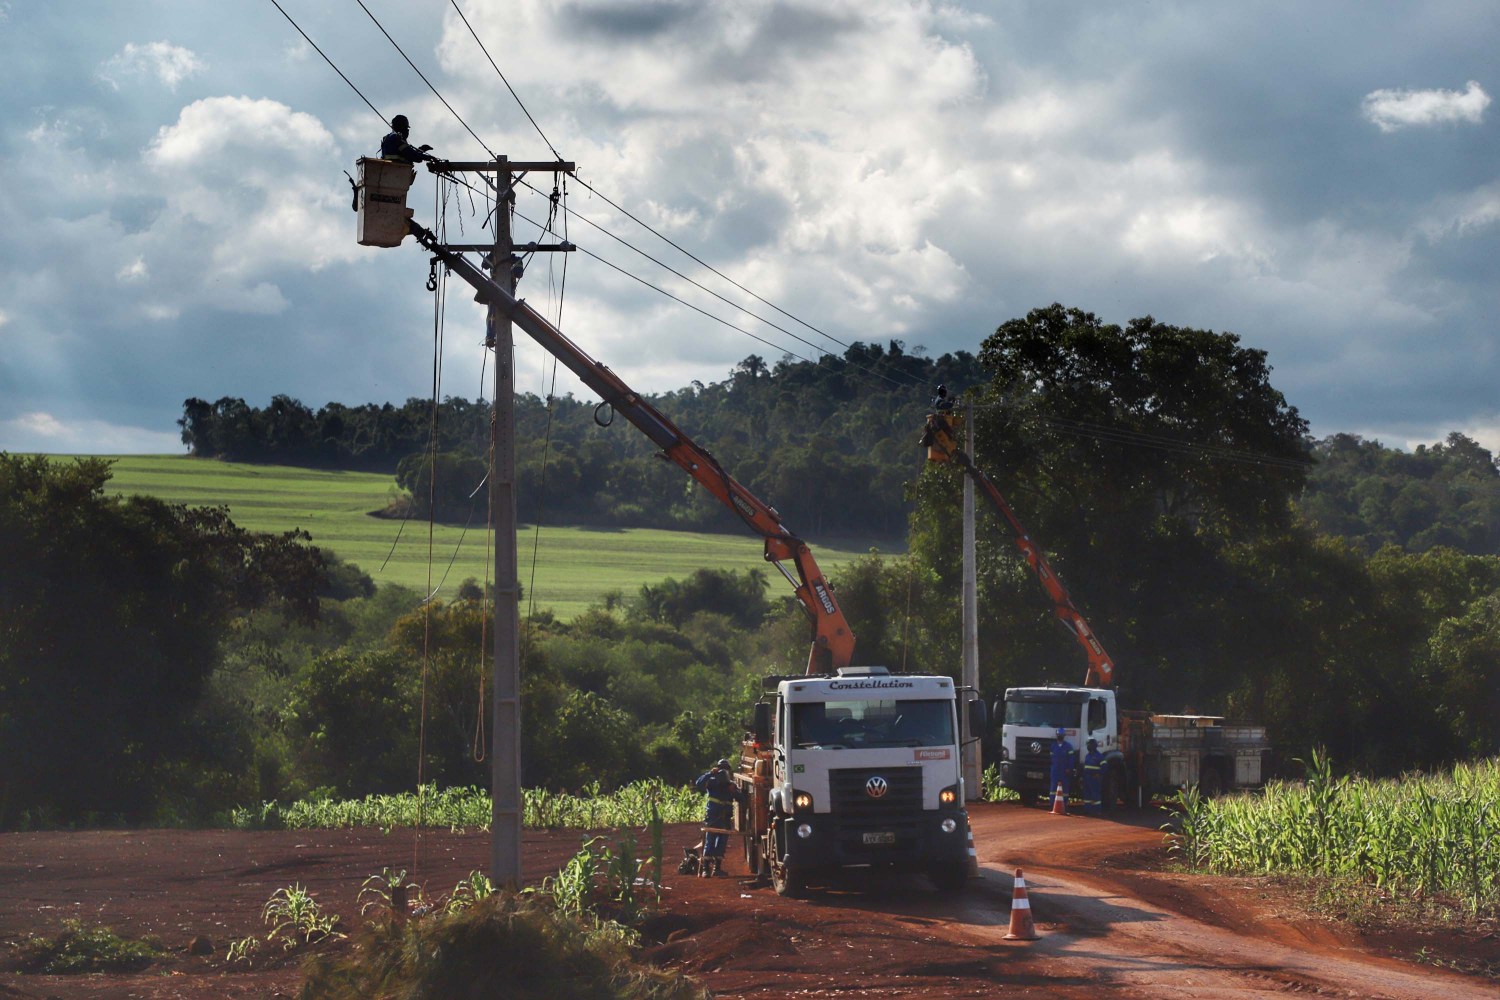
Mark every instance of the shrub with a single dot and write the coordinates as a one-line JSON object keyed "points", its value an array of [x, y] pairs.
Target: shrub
{"points": [[505, 944]]}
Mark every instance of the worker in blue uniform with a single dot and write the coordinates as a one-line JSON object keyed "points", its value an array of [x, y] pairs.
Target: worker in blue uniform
{"points": [[395, 147], [1093, 778], [1062, 763], [718, 812]]}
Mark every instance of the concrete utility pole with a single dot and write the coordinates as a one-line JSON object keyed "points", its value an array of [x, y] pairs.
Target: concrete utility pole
{"points": [[507, 807], [973, 766], [505, 758]]}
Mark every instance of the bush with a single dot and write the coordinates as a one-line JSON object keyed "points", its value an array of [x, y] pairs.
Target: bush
{"points": [[503, 945]]}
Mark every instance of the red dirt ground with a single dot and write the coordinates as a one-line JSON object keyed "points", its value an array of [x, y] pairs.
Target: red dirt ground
{"points": [[1111, 917]]}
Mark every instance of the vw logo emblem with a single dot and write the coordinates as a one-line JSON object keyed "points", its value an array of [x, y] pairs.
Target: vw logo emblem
{"points": [[876, 787], [1036, 746]]}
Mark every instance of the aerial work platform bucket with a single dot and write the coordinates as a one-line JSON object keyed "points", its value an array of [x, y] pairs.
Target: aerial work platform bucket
{"points": [[381, 201]]}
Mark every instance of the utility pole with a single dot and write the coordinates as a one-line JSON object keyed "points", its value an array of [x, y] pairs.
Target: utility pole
{"points": [[973, 766], [507, 806]]}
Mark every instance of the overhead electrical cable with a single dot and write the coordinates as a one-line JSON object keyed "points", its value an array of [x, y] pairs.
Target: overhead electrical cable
{"points": [[727, 301], [503, 80], [329, 61], [430, 87]]}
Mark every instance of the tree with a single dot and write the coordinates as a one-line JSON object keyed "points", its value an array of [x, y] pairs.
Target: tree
{"points": [[1135, 455], [112, 611]]}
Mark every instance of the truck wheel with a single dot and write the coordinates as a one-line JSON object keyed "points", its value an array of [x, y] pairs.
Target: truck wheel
{"points": [[787, 881], [949, 878], [1109, 801], [1028, 799]]}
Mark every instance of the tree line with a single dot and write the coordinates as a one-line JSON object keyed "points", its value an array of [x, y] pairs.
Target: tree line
{"points": [[827, 443], [157, 662]]}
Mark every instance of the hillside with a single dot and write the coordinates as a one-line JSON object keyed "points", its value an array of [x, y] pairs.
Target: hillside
{"points": [[574, 566]]}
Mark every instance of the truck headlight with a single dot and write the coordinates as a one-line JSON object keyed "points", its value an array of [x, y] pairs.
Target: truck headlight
{"points": [[948, 796], [1004, 753], [949, 825], [802, 802], [804, 830]]}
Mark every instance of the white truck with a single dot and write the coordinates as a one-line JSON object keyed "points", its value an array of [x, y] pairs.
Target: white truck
{"points": [[1144, 755], [847, 766], [858, 768]]}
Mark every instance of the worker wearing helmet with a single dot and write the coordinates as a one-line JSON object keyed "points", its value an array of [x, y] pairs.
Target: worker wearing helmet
{"points": [[395, 147], [1093, 778], [1062, 762], [718, 814]]}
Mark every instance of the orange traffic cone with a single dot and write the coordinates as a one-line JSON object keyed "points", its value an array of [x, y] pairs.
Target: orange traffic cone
{"points": [[1022, 928], [1059, 802], [973, 855]]}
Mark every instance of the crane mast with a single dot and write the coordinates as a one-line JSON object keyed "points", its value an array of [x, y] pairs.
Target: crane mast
{"points": [[832, 640], [942, 446]]}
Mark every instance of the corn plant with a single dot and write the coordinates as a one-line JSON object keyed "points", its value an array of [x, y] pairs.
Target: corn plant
{"points": [[468, 891], [469, 808], [243, 950], [1420, 836], [294, 913], [380, 891]]}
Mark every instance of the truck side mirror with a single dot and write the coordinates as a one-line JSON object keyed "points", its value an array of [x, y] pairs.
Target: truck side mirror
{"points": [[760, 727], [979, 717]]}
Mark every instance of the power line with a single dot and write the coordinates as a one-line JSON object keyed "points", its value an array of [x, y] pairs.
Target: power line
{"points": [[430, 87], [729, 302], [503, 80], [694, 257], [329, 61]]}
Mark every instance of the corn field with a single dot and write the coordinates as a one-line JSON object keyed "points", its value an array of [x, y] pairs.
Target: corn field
{"points": [[469, 808], [1421, 835]]}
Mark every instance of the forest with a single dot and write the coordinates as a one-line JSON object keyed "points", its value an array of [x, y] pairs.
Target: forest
{"points": [[1344, 593]]}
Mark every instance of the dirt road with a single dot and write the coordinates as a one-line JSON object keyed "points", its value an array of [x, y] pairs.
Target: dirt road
{"points": [[1110, 917]]}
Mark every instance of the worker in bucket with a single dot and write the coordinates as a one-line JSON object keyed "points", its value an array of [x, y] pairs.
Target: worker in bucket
{"points": [[1093, 778], [719, 787], [1062, 762], [395, 147]]}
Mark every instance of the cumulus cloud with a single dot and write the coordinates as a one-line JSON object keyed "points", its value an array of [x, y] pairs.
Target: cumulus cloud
{"points": [[1391, 110], [170, 64], [252, 211]]}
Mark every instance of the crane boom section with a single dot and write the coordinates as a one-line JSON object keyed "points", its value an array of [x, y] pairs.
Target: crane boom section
{"points": [[1101, 670], [832, 640]]}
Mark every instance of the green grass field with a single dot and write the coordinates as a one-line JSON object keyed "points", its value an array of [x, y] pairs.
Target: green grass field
{"points": [[574, 566]]}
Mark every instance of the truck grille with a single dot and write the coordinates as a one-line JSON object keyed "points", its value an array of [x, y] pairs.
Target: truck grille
{"points": [[855, 812]]}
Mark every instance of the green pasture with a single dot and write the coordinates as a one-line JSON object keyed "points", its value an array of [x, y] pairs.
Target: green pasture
{"points": [[572, 567]]}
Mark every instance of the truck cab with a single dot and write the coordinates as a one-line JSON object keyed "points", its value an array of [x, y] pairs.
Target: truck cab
{"points": [[858, 768], [1033, 715], [1144, 754]]}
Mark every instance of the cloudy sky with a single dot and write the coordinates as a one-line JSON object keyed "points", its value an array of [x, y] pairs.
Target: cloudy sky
{"points": [[1322, 179]]}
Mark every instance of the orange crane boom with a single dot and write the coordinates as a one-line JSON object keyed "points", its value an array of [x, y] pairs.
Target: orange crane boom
{"points": [[832, 639], [942, 445]]}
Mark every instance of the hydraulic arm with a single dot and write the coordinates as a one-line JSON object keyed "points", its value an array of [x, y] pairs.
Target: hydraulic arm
{"points": [[832, 641], [943, 446]]}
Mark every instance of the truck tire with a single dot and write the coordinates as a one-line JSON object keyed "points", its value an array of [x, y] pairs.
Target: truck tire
{"points": [[951, 878], [1113, 786], [1028, 799], [787, 881]]}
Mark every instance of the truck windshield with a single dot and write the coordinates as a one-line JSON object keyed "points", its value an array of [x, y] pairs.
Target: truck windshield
{"points": [[1051, 714], [873, 724]]}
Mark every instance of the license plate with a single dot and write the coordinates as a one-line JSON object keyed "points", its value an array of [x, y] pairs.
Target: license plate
{"points": [[880, 838], [1034, 774]]}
